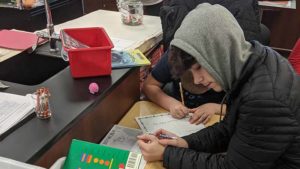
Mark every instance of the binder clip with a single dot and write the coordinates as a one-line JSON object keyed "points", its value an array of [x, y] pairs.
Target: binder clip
{"points": [[42, 107]]}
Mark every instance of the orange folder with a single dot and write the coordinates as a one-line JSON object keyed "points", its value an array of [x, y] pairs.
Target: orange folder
{"points": [[18, 40]]}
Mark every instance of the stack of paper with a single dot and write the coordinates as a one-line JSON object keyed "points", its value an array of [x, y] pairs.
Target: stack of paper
{"points": [[13, 109]]}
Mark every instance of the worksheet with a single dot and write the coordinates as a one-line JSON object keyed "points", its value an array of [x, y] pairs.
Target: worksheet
{"points": [[180, 127], [124, 138]]}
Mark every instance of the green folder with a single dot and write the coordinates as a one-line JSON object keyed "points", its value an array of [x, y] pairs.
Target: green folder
{"points": [[86, 155]]}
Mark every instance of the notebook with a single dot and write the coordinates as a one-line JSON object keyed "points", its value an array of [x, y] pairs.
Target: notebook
{"points": [[180, 127], [131, 58]]}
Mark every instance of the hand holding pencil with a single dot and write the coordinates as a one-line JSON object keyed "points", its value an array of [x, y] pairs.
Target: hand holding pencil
{"points": [[178, 109], [181, 93]]}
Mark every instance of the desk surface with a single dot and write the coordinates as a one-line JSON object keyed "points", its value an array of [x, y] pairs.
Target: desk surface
{"points": [[73, 107], [143, 108], [143, 36]]}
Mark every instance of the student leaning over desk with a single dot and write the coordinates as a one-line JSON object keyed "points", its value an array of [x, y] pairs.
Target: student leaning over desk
{"points": [[201, 101], [261, 128]]}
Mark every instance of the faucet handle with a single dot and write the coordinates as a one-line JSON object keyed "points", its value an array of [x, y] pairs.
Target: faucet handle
{"points": [[44, 34]]}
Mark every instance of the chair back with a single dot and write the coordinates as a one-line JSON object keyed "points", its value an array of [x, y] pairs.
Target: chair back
{"points": [[294, 57]]}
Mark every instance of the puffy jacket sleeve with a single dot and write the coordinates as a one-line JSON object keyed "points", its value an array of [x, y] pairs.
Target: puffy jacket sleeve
{"points": [[213, 139], [257, 140]]}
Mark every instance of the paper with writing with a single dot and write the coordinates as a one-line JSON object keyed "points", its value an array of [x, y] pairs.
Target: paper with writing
{"points": [[124, 138], [180, 127]]}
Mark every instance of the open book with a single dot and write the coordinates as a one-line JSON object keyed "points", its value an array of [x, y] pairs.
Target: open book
{"points": [[180, 127], [13, 109]]}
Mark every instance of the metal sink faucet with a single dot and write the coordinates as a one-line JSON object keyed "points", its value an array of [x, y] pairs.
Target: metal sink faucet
{"points": [[50, 28]]}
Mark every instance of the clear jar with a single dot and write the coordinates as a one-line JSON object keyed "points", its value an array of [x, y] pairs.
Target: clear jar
{"points": [[131, 12]]}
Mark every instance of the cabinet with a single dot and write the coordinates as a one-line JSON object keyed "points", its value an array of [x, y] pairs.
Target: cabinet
{"points": [[35, 18], [284, 25], [93, 5]]}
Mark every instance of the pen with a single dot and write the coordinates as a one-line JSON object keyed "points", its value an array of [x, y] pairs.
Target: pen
{"points": [[164, 136], [181, 93]]}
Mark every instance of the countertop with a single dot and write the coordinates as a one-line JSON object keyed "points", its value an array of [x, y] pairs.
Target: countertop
{"points": [[70, 101], [77, 113]]}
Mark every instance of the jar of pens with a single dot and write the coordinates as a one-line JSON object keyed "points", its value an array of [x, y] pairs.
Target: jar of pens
{"points": [[131, 11]]}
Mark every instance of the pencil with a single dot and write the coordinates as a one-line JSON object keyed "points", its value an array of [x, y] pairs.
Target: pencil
{"points": [[181, 93]]}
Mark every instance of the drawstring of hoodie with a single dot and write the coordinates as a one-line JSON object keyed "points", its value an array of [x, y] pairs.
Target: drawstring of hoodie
{"points": [[222, 103]]}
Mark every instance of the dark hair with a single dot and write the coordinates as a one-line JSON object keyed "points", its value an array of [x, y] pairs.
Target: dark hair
{"points": [[179, 61]]}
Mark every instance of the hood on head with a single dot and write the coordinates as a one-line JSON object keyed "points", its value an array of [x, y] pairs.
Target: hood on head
{"points": [[211, 34]]}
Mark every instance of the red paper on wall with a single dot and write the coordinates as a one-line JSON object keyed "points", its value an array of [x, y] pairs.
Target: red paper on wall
{"points": [[18, 40]]}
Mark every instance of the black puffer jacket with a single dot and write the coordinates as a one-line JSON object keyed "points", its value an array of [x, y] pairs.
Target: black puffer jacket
{"points": [[262, 127], [245, 11]]}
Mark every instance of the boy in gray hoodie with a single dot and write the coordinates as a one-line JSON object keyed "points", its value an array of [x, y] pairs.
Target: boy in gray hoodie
{"points": [[261, 128]]}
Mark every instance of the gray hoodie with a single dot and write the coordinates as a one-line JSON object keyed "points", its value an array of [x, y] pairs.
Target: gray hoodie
{"points": [[211, 34]]}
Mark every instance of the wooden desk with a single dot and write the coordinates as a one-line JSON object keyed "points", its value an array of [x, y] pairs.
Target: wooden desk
{"points": [[143, 108]]}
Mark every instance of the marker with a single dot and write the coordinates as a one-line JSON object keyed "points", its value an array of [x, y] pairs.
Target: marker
{"points": [[165, 136]]}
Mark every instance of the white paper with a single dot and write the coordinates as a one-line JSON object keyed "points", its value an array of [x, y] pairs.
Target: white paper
{"points": [[124, 138], [3, 86], [180, 127], [121, 44], [13, 109]]}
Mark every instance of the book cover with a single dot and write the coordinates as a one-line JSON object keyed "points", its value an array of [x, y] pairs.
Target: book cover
{"points": [[86, 155], [18, 40], [131, 58]]}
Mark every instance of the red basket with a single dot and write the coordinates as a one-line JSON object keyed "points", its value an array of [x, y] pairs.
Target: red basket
{"points": [[94, 60]]}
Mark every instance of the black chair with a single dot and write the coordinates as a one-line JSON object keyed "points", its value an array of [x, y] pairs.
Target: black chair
{"points": [[265, 35]]}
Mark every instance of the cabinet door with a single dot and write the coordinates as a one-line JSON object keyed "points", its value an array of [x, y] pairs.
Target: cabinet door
{"points": [[91, 5], [109, 5]]}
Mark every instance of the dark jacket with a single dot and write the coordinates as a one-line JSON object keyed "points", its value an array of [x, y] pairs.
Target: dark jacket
{"points": [[245, 11], [261, 129]]}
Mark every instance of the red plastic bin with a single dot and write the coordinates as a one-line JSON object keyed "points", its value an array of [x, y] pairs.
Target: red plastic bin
{"points": [[92, 61]]}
